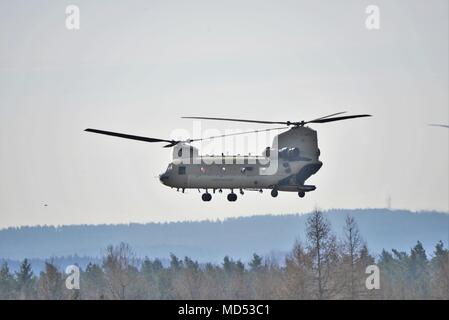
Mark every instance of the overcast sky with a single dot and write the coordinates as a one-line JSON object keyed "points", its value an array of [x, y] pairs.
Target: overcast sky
{"points": [[138, 66]]}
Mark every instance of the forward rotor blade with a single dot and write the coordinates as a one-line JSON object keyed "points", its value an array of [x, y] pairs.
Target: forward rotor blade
{"points": [[239, 120], [236, 134], [171, 144], [132, 137], [338, 118], [439, 125]]}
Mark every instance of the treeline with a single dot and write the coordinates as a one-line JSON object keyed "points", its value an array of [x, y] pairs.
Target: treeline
{"points": [[321, 267]]}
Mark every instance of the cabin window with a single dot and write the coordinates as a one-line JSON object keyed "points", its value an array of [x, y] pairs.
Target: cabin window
{"points": [[180, 153], [246, 169], [181, 170]]}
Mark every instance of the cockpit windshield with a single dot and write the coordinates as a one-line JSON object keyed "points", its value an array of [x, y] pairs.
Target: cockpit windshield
{"points": [[169, 168]]}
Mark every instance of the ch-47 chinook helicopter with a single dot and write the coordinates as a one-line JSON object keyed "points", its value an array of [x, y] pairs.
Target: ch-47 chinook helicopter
{"points": [[285, 166]]}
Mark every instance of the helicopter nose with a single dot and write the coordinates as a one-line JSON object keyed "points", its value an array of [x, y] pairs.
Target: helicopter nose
{"points": [[163, 177]]}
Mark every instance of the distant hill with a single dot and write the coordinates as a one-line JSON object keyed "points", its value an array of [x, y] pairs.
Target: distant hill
{"points": [[210, 241]]}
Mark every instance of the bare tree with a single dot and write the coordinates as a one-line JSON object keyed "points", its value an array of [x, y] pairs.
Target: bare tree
{"points": [[118, 266], [93, 283], [51, 282], [188, 280], [323, 250], [211, 280], [298, 273], [352, 246]]}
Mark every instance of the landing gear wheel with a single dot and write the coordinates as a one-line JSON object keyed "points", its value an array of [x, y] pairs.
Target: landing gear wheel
{"points": [[301, 194], [274, 193], [232, 197], [206, 196]]}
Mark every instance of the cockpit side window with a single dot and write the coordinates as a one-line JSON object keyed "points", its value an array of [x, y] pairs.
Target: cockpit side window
{"points": [[181, 170]]}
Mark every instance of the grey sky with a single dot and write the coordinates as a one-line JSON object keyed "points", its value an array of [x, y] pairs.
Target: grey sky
{"points": [[138, 66]]}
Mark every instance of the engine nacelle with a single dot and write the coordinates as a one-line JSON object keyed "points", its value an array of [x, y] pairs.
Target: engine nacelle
{"points": [[185, 153]]}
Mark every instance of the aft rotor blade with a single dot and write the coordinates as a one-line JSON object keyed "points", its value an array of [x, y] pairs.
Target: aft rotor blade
{"points": [[239, 120], [236, 134], [338, 118], [439, 125], [331, 115], [132, 137]]}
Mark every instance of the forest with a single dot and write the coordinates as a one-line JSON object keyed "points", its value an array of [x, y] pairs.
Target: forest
{"points": [[322, 266]]}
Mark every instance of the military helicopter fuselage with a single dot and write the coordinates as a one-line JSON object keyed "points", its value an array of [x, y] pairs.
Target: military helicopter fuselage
{"points": [[285, 166]]}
